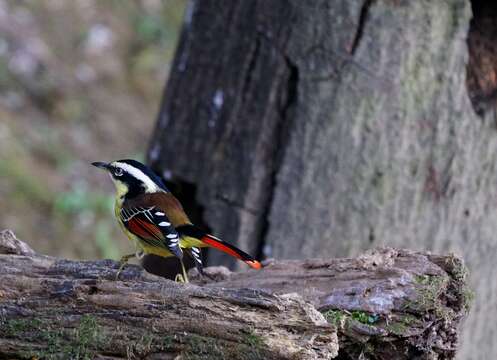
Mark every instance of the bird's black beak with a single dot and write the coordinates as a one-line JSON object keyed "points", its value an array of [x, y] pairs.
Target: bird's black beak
{"points": [[101, 165]]}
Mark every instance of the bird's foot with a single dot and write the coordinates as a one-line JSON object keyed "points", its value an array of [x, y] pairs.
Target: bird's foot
{"points": [[122, 263], [179, 278], [183, 269]]}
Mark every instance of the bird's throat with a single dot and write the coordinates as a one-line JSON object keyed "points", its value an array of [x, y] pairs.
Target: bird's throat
{"points": [[121, 191]]}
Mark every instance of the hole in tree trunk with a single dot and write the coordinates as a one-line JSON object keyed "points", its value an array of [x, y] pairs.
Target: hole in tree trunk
{"points": [[481, 71]]}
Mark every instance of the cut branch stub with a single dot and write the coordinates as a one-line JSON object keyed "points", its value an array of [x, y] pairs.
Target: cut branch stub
{"points": [[385, 303]]}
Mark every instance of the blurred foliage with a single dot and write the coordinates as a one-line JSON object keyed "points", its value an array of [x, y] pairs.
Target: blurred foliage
{"points": [[24, 186], [80, 81], [80, 200]]}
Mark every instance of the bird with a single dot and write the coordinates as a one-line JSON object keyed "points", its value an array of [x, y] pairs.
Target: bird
{"points": [[154, 219]]}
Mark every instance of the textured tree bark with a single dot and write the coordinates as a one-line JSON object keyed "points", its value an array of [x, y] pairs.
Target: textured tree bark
{"points": [[323, 128], [386, 304]]}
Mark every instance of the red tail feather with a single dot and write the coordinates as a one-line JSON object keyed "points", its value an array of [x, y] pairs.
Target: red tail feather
{"points": [[231, 250]]}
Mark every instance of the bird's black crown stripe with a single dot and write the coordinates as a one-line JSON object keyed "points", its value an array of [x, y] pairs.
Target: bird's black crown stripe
{"points": [[147, 171]]}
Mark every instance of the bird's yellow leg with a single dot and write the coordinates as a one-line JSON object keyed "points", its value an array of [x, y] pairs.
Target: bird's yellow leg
{"points": [[124, 260], [182, 277]]}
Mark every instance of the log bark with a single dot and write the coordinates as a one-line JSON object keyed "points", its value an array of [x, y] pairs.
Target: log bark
{"points": [[347, 122], [386, 304]]}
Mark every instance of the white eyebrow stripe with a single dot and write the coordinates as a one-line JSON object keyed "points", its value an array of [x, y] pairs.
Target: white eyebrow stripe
{"points": [[150, 186]]}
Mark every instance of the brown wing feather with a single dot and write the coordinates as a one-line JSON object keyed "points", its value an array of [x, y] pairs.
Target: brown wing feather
{"points": [[152, 227], [166, 202]]}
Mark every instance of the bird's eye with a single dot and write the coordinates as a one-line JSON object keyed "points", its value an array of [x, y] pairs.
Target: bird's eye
{"points": [[118, 171]]}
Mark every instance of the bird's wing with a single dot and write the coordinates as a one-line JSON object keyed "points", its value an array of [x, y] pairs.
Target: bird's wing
{"points": [[195, 253], [152, 226]]}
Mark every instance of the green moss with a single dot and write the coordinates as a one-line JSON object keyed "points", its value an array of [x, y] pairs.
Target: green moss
{"points": [[468, 298], [145, 344], [335, 317], [78, 343], [14, 328], [82, 342], [138, 344], [401, 324], [254, 340], [364, 317], [196, 347], [396, 324], [200, 347], [429, 296], [56, 344], [396, 328], [455, 266], [429, 291], [166, 342], [86, 337]]}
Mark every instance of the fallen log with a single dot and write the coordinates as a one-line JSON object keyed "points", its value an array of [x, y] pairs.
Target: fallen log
{"points": [[385, 304]]}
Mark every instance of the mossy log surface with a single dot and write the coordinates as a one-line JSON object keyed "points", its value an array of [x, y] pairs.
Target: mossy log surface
{"points": [[384, 304]]}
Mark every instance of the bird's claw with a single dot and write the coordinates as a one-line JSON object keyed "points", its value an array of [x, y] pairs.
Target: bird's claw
{"points": [[179, 278], [121, 267], [122, 263], [182, 278]]}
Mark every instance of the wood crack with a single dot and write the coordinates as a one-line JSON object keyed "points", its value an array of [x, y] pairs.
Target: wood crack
{"points": [[250, 68], [234, 204], [282, 136], [360, 26]]}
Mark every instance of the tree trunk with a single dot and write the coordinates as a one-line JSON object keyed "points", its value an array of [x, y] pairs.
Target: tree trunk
{"points": [[387, 304], [329, 127]]}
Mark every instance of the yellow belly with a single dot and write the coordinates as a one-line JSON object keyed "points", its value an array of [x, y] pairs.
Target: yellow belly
{"points": [[188, 242], [185, 242], [156, 250]]}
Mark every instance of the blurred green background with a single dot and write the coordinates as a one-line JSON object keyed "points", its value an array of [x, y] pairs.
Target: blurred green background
{"points": [[80, 81]]}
